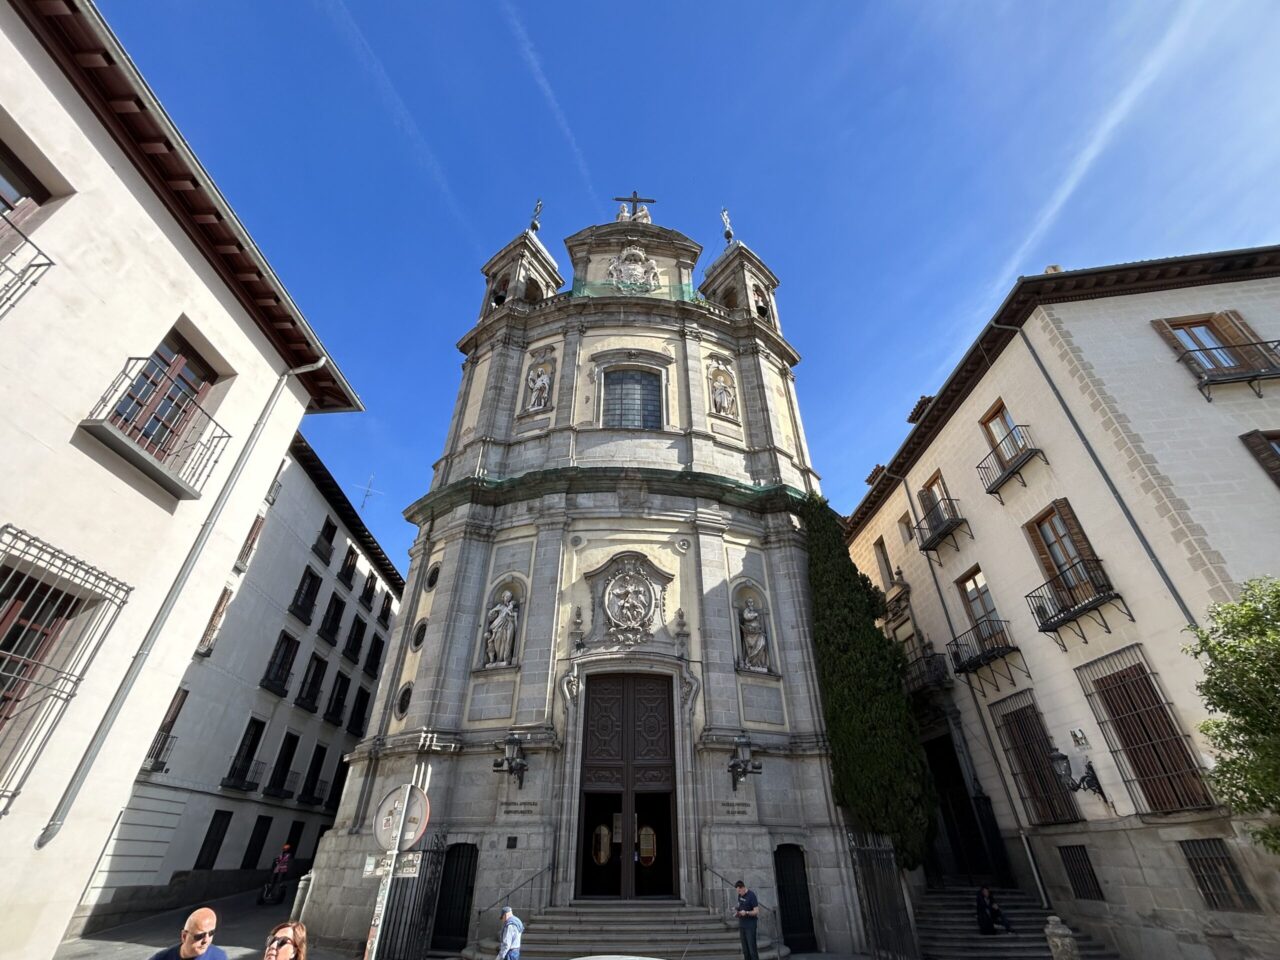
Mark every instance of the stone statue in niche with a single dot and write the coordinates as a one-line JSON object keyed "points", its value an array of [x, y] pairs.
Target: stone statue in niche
{"points": [[500, 630], [755, 641], [539, 384], [723, 400]]}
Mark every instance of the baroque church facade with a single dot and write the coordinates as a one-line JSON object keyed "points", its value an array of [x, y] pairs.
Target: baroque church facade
{"points": [[603, 673]]}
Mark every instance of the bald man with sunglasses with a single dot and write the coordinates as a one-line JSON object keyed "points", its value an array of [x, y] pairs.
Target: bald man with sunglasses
{"points": [[196, 939]]}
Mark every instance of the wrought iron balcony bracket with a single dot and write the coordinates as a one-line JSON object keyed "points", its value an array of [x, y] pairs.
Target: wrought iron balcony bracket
{"points": [[1011, 454], [985, 655], [1080, 592], [1251, 363], [939, 525]]}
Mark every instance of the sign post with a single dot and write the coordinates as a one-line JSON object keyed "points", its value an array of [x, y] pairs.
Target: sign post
{"points": [[405, 806]]}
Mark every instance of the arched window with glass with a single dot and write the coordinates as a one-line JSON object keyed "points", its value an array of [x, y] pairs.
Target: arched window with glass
{"points": [[633, 399]]}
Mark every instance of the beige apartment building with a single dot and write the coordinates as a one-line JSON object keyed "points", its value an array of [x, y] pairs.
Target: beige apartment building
{"points": [[1101, 466], [153, 370]]}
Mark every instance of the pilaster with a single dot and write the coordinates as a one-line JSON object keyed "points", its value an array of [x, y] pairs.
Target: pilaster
{"points": [[538, 662], [717, 638]]}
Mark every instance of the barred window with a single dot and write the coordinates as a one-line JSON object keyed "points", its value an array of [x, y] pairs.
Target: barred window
{"points": [[1084, 882], [1154, 756], [1027, 748], [1217, 875], [633, 399], [55, 611]]}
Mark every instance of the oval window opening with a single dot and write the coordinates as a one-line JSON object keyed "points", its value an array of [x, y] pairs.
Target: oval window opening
{"points": [[601, 849], [648, 846]]}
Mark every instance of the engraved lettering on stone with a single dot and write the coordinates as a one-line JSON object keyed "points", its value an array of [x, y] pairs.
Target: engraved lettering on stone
{"points": [[633, 272]]}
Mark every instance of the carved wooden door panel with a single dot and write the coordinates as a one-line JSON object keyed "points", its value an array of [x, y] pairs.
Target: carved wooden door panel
{"points": [[627, 837]]}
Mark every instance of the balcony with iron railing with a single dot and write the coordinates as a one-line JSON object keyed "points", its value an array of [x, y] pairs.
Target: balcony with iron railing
{"points": [[283, 783], [156, 423], [925, 672], [939, 522], [276, 679], [1013, 451], [328, 629], [274, 491], [988, 641], [372, 664], [308, 700], [314, 794], [333, 714], [244, 774], [356, 725], [158, 755], [1249, 363], [351, 651], [1080, 588], [22, 263], [323, 549]]}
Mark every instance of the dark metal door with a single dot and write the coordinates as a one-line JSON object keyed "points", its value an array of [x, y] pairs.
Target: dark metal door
{"points": [[627, 845], [885, 917], [411, 906], [457, 884], [794, 913]]}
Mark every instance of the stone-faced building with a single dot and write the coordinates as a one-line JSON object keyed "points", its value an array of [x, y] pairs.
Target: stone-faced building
{"points": [[607, 572], [1100, 467]]}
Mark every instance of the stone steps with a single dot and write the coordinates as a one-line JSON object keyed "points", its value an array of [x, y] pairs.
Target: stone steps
{"points": [[947, 930], [666, 930]]}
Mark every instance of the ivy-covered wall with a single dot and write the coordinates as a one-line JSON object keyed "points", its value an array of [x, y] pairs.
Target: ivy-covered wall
{"points": [[879, 770]]}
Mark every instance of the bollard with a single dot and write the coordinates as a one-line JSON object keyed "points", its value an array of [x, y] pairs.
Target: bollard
{"points": [[1062, 942], [300, 898]]}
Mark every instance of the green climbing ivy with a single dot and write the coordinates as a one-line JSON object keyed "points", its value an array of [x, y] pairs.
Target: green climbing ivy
{"points": [[878, 766]]}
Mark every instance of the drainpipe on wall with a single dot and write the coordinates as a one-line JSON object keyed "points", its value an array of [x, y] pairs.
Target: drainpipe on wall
{"points": [[139, 660], [982, 720], [1106, 477]]}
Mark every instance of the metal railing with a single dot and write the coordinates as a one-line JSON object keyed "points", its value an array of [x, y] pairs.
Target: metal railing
{"points": [[987, 641], [22, 263], [276, 680], [925, 672], [938, 521], [509, 896], [158, 754], [1079, 588], [373, 663], [308, 700], [314, 794], [323, 549], [1013, 450], [357, 725], [1233, 363], [244, 774], [155, 421], [335, 711], [274, 491], [282, 784]]}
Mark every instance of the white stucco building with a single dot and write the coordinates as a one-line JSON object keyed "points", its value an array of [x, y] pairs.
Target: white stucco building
{"points": [[1102, 465], [249, 755], [152, 380]]}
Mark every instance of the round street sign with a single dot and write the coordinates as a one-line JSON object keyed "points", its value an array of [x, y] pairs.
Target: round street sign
{"points": [[387, 818]]}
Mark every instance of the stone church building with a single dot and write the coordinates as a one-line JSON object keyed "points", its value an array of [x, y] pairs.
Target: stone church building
{"points": [[603, 673]]}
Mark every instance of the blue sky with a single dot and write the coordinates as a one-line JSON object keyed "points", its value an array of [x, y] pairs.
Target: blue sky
{"points": [[897, 165]]}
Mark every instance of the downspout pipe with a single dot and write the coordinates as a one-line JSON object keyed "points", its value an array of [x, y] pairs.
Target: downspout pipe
{"points": [[982, 721], [131, 675], [1106, 477]]}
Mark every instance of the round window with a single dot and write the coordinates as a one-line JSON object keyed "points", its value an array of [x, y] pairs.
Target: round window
{"points": [[419, 635], [433, 575], [402, 700]]}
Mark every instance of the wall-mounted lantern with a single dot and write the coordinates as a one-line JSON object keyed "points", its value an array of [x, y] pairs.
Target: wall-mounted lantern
{"points": [[1088, 780], [512, 760], [741, 764]]}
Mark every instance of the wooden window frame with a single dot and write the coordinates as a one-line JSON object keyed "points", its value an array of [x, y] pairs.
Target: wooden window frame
{"points": [[1264, 445], [304, 598], [1232, 331], [30, 193], [207, 640], [1027, 745], [185, 371], [347, 572], [1075, 534], [960, 582]]}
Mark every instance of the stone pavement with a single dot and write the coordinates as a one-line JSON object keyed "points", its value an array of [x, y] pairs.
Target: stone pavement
{"points": [[242, 932]]}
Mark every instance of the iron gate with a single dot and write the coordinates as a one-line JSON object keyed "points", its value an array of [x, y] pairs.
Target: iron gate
{"points": [[885, 915], [411, 906]]}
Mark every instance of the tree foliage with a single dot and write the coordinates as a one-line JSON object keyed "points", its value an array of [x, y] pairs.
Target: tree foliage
{"points": [[878, 766], [1240, 652]]}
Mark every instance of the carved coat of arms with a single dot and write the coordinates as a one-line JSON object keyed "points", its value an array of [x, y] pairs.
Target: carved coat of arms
{"points": [[632, 272], [628, 595]]}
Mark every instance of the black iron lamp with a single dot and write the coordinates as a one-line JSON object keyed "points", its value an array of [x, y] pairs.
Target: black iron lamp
{"points": [[741, 764], [1088, 780], [512, 760]]}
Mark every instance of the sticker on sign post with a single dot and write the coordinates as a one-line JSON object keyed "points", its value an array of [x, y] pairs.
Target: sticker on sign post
{"points": [[388, 817]]}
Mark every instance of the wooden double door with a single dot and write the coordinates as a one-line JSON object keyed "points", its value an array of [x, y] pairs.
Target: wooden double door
{"points": [[627, 839]]}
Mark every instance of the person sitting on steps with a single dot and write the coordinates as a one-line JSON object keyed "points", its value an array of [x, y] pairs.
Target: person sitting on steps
{"points": [[989, 914]]}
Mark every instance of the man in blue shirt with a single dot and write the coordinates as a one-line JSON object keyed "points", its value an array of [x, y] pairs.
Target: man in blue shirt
{"points": [[509, 938], [747, 911], [196, 939]]}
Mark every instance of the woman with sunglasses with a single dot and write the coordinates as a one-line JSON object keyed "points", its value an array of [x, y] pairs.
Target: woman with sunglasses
{"points": [[286, 941]]}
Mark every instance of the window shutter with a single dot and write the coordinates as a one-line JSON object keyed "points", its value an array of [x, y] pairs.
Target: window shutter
{"points": [[215, 620], [1260, 446], [1047, 565], [1083, 547], [1166, 333], [1240, 332]]}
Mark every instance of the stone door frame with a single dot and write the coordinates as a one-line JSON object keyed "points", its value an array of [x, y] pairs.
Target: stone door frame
{"points": [[684, 694]]}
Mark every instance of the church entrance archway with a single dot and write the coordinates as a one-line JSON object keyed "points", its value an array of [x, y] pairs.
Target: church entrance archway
{"points": [[627, 836], [795, 915], [453, 909]]}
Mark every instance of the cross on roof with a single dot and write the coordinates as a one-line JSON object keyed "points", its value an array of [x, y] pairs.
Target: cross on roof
{"points": [[635, 199]]}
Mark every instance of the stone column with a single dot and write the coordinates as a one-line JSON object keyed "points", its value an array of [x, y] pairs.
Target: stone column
{"points": [[717, 636], [538, 660], [566, 388]]}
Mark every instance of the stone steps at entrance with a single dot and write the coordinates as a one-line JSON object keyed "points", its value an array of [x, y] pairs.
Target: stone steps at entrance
{"points": [[947, 929], [665, 929]]}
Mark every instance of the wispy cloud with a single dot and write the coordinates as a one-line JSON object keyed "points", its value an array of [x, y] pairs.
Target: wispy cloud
{"points": [[534, 63], [1150, 70], [399, 110]]}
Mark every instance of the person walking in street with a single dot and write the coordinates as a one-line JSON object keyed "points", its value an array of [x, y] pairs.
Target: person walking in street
{"points": [[989, 914], [287, 941], [195, 939], [509, 936], [747, 912]]}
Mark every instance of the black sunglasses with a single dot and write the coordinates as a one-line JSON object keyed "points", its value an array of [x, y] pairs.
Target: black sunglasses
{"points": [[203, 935], [279, 942]]}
